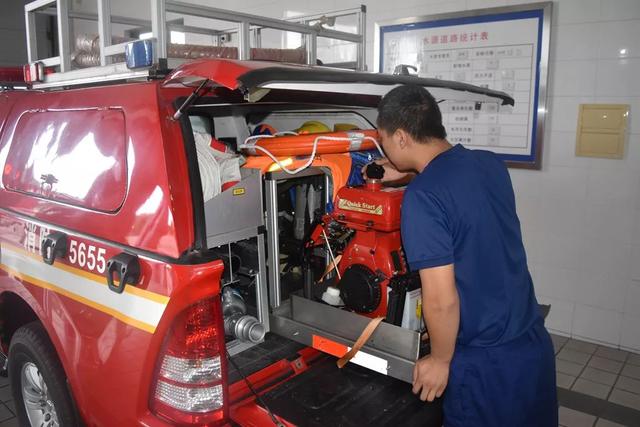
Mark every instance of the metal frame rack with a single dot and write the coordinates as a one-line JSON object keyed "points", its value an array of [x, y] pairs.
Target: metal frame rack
{"points": [[361, 29], [245, 24], [391, 350]]}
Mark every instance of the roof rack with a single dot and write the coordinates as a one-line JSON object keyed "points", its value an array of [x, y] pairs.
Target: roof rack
{"points": [[108, 64]]}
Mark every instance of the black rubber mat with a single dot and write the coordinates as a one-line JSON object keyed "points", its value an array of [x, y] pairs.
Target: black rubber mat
{"points": [[353, 396], [273, 349]]}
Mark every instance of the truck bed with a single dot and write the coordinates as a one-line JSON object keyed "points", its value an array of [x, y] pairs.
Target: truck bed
{"points": [[254, 359], [325, 395], [353, 396]]}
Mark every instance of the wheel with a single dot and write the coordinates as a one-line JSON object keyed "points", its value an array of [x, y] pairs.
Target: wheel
{"points": [[38, 382]]}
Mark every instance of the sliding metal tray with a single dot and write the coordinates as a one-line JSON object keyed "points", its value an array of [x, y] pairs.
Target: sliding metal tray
{"points": [[391, 350]]}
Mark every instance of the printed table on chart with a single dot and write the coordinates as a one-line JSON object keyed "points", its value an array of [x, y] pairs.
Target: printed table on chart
{"points": [[504, 68]]}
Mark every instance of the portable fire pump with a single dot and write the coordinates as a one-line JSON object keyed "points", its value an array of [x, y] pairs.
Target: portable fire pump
{"points": [[362, 236]]}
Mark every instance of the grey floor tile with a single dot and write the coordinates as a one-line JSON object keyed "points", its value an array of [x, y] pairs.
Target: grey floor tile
{"points": [[573, 356], [4, 381], [628, 384], [5, 413], [634, 359], [558, 337], [582, 346], [570, 418], [564, 380], [556, 348], [632, 371], [606, 364], [606, 423], [612, 353], [599, 376], [569, 368], [11, 422], [625, 398], [591, 388], [558, 340], [5, 394]]}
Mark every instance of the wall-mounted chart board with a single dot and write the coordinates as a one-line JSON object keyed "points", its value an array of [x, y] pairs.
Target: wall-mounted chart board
{"points": [[504, 48]]}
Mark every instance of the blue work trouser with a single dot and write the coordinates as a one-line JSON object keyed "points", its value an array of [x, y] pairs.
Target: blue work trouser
{"points": [[511, 385]]}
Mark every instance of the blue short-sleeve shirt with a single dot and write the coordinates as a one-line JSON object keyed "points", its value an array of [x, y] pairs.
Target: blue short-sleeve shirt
{"points": [[461, 210]]}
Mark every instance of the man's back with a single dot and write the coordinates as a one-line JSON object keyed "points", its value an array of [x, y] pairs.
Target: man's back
{"points": [[491, 357], [461, 210]]}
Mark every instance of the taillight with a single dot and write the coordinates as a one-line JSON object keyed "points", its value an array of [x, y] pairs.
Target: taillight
{"points": [[190, 387]]}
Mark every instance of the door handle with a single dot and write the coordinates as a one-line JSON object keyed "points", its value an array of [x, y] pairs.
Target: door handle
{"points": [[53, 246]]}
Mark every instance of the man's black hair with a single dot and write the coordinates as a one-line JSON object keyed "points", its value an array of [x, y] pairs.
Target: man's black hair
{"points": [[413, 109]]}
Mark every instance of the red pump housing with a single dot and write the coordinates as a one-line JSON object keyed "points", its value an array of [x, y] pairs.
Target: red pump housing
{"points": [[374, 254], [370, 207]]}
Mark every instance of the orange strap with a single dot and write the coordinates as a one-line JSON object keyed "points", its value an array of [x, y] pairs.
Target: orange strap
{"points": [[361, 341], [333, 265]]}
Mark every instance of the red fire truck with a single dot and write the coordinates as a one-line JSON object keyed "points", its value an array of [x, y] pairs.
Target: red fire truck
{"points": [[195, 245]]}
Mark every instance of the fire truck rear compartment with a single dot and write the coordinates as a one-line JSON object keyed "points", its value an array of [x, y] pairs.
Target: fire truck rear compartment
{"points": [[259, 227]]}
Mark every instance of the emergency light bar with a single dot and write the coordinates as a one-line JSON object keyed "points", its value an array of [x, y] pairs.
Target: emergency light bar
{"points": [[139, 54]]}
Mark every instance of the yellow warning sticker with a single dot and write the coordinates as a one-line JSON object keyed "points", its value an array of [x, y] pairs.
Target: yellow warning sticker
{"points": [[239, 191]]}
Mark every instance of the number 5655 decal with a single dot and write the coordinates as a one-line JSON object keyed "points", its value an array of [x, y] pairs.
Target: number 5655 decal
{"points": [[87, 256]]}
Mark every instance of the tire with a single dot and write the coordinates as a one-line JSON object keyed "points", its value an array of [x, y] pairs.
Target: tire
{"points": [[35, 368]]}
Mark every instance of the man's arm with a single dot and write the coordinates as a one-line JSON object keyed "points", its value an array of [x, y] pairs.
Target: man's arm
{"points": [[441, 308]]}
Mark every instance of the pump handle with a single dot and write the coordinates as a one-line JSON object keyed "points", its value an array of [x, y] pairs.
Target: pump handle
{"points": [[374, 171]]}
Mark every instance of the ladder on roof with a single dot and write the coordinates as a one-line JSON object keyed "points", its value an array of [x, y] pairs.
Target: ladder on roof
{"points": [[246, 27]]}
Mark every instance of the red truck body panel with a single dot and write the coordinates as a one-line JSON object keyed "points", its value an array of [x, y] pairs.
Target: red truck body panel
{"points": [[107, 343], [148, 219]]}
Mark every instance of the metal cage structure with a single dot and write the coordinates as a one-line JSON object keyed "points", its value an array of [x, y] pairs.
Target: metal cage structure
{"points": [[246, 27]]}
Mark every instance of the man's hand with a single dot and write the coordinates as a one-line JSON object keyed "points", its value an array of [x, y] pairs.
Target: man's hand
{"points": [[391, 174], [441, 310], [431, 376]]}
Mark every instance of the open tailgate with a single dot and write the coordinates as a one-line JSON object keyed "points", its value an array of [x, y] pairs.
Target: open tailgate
{"points": [[255, 79]]}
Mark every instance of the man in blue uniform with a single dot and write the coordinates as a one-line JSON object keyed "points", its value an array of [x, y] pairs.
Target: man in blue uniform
{"points": [[460, 230]]}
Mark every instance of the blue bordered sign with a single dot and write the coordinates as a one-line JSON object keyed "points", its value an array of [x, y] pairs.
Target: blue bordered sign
{"points": [[505, 48]]}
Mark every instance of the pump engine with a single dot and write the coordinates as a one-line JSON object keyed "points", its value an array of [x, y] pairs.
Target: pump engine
{"points": [[363, 233]]}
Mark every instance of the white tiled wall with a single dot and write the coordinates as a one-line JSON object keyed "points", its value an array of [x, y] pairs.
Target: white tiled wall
{"points": [[582, 223], [580, 217]]}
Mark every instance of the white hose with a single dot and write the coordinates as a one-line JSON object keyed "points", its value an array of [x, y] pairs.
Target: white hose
{"points": [[252, 146]]}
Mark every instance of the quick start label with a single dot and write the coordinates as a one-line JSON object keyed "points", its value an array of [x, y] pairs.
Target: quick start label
{"points": [[349, 205]]}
